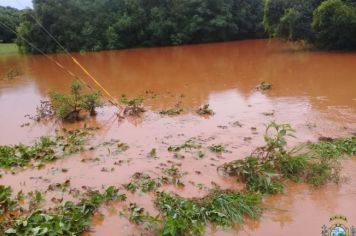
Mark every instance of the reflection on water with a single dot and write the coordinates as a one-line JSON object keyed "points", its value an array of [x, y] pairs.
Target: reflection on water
{"points": [[314, 91]]}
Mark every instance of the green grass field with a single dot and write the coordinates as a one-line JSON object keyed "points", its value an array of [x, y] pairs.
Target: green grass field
{"points": [[8, 48]]}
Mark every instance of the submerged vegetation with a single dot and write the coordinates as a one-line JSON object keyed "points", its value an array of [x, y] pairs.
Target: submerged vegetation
{"points": [[181, 216], [264, 86], [138, 216], [218, 148], [69, 107], [189, 144], [11, 74], [190, 216], [112, 24], [68, 218], [172, 111], [21, 155], [205, 110], [133, 105], [46, 149], [142, 182], [266, 168]]}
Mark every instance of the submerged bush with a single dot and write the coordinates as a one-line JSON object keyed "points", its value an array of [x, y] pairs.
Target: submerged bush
{"points": [[189, 144], [335, 148], [21, 155], [67, 219], [133, 105], [46, 149], [267, 167], [142, 182], [218, 148], [258, 174], [205, 110], [138, 216], [69, 107], [172, 111], [6, 201], [189, 216]]}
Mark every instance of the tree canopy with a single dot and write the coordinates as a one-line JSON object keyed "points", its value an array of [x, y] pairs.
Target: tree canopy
{"points": [[92, 25], [89, 25], [328, 24], [10, 17]]}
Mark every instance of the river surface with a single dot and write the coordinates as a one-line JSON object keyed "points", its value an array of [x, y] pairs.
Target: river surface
{"points": [[313, 91]]}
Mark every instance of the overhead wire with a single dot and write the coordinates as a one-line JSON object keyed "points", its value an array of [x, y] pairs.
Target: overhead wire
{"points": [[111, 99], [43, 53]]}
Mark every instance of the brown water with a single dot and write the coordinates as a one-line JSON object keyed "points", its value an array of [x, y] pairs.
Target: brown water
{"points": [[314, 91]]}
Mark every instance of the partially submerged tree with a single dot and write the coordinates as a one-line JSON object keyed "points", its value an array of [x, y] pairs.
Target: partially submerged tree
{"points": [[69, 107]]}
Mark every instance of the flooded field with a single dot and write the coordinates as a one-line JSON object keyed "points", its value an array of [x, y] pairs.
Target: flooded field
{"points": [[315, 92]]}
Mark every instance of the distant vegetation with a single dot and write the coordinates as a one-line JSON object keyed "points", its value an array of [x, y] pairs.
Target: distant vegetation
{"points": [[10, 17], [83, 25], [329, 24]]}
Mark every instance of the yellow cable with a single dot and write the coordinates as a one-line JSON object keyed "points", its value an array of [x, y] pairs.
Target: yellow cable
{"points": [[114, 100]]}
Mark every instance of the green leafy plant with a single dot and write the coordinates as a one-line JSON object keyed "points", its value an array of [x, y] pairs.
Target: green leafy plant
{"points": [[72, 141], [189, 144], [69, 107], [90, 102], [174, 176], [46, 149], [258, 174], [218, 148], [142, 182], [189, 216], [6, 201], [335, 147], [21, 155], [66, 219], [138, 216], [133, 105], [172, 111], [266, 168], [275, 139]]}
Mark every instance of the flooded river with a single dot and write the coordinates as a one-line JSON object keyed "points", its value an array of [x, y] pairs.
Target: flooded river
{"points": [[313, 91]]}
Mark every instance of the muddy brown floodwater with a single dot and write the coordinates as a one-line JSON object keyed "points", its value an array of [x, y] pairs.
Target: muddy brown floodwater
{"points": [[313, 91]]}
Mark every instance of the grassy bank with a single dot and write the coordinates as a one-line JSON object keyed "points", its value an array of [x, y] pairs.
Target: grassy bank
{"points": [[8, 48]]}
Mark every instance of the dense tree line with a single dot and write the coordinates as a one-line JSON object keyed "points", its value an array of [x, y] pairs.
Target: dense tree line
{"points": [[328, 24], [90, 25], [110, 24], [10, 17]]}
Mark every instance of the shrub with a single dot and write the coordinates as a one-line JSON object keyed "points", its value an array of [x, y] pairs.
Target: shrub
{"points": [[68, 107], [133, 105]]}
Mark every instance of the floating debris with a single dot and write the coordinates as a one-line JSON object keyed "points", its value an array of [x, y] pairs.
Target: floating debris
{"points": [[264, 86], [205, 110]]}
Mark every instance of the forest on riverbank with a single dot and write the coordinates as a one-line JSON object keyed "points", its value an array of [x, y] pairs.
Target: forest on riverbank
{"points": [[83, 25]]}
